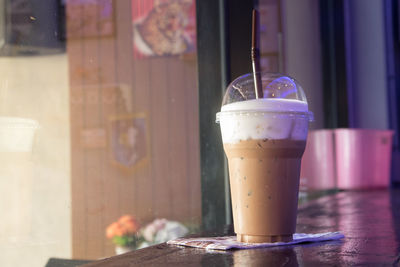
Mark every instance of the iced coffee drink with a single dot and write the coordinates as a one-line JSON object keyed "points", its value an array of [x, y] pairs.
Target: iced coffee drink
{"points": [[264, 140]]}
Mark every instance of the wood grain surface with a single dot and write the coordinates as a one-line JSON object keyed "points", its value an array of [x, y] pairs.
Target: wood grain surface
{"points": [[370, 221]]}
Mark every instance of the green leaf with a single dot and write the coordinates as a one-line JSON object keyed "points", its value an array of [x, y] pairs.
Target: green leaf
{"points": [[127, 240]]}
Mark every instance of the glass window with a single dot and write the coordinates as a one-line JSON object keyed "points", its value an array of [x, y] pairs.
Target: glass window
{"points": [[99, 119]]}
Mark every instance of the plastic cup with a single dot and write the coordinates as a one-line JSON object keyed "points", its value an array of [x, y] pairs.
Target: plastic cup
{"points": [[264, 140]]}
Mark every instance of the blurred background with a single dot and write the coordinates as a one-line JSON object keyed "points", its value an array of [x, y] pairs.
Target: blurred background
{"points": [[107, 108]]}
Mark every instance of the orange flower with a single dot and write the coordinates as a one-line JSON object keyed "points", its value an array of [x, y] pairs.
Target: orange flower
{"points": [[112, 229], [129, 224], [125, 225], [130, 227], [120, 230], [125, 218]]}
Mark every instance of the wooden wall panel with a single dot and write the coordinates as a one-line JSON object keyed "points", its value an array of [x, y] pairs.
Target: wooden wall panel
{"points": [[78, 199], [110, 51], [177, 156], [162, 197], [193, 146], [141, 102], [93, 175], [107, 82]]}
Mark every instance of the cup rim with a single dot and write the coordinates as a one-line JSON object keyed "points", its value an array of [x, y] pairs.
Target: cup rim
{"points": [[308, 114]]}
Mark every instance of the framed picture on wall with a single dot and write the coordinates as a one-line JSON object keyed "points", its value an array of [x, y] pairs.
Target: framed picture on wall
{"points": [[90, 18], [163, 27], [129, 141], [29, 28]]}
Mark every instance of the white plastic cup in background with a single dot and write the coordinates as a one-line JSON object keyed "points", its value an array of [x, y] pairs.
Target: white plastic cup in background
{"points": [[17, 134]]}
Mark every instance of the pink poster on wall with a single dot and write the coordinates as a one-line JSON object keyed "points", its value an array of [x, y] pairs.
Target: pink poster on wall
{"points": [[163, 27]]}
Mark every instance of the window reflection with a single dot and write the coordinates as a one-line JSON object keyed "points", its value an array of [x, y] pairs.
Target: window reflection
{"points": [[118, 127]]}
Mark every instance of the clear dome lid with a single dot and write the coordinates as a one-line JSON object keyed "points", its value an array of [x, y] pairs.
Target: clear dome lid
{"points": [[281, 95], [274, 86]]}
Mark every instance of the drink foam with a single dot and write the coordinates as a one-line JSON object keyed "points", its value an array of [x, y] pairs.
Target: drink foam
{"points": [[265, 118]]}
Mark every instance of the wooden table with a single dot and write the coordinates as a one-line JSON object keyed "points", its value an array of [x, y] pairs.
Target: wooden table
{"points": [[370, 221]]}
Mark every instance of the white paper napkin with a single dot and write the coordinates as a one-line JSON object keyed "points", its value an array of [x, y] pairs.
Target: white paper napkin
{"points": [[229, 242]]}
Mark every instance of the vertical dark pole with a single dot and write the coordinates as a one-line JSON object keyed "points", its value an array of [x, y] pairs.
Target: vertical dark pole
{"points": [[334, 63], [223, 51], [392, 26], [240, 18], [211, 81], [237, 39]]}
